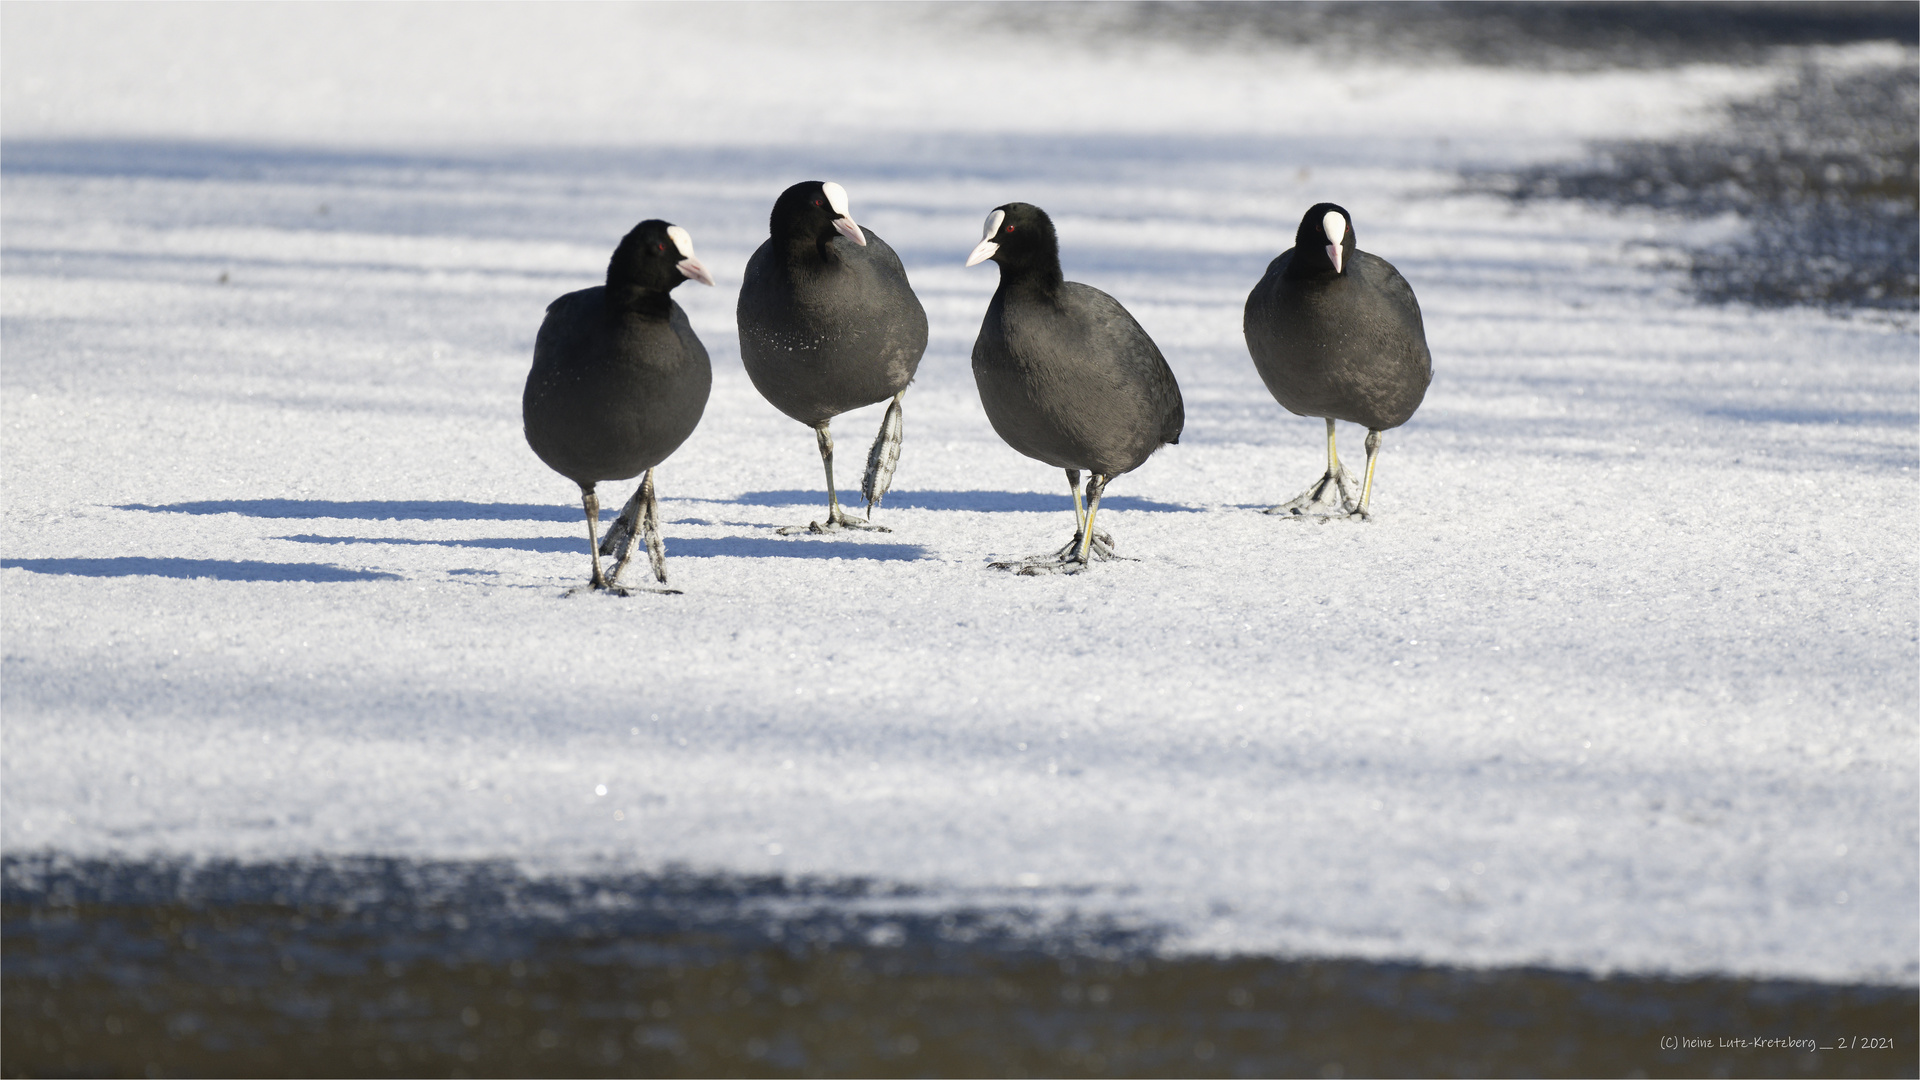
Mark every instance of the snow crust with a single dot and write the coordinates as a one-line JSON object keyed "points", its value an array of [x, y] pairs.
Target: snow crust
{"points": [[1622, 676]]}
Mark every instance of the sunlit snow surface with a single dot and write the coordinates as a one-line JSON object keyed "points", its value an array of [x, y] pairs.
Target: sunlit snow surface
{"points": [[1623, 674]]}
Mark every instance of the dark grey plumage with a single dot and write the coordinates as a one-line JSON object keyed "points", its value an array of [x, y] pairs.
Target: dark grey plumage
{"points": [[619, 381], [1335, 332], [829, 323], [1066, 374]]}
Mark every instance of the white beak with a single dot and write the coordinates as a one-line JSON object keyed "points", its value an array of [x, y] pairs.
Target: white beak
{"points": [[1335, 227], [846, 228], [985, 249], [692, 268]]}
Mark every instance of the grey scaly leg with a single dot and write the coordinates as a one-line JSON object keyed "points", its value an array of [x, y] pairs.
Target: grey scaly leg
{"points": [[590, 502], [617, 543], [883, 457], [656, 545], [837, 519], [644, 511], [1317, 501]]}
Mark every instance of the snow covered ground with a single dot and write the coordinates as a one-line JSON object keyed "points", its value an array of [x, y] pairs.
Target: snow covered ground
{"points": [[1622, 676]]}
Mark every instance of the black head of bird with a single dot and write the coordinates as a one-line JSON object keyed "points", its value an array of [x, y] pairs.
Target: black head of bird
{"points": [[652, 259], [1324, 245], [811, 212], [1019, 236]]}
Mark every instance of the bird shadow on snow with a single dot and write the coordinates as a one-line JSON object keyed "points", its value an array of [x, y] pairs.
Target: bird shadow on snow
{"points": [[218, 569], [372, 509], [978, 501], [800, 547], [459, 510], [545, 544], [745, 547]]}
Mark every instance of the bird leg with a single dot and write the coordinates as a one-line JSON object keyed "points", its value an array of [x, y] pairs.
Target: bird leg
{"points": [[1102, 543], [883, 457], [644, 509], [1087, 543], [590, 502], [1317, 501], [837, 518], [1366, 489], [620, 533]]}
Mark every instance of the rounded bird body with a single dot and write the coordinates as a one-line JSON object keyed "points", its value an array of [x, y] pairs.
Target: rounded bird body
{"points": [[619, 381], [1066, 375], [831, 327], [1074, 381], [1347, 347], [828, 324], [1335, 332], [614, 391]]}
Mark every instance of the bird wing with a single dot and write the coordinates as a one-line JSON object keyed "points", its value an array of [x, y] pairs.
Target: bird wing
{"points": [[1388, 281], [1132, 340]]}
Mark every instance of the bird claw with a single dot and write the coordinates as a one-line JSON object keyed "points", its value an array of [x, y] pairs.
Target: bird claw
{"points": [[836, 521], [1101, 548], [1064, 561], [1316, 501], [590, 589]]}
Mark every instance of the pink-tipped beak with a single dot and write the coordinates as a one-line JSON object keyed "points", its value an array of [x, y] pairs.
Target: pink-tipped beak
{"points": [[846, 228], [1338, 256], [692, 268]]}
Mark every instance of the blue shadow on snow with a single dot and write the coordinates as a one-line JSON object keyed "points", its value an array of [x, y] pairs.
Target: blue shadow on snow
{"points": [[218, 569], [375, 509], [1842, 417], [740, 547], [461, 510], [978, 501]]}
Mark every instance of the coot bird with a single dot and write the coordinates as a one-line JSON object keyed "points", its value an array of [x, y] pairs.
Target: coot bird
{"points": [[829, 323], [1067, 376], [1336, 333], [618, 383]]}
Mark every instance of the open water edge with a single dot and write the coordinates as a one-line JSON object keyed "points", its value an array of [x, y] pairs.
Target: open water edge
{"points": [[385, 967]]}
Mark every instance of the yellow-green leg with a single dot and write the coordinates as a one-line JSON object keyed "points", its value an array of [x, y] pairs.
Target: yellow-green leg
{"points": [[1095, 488], [1366, 488]]}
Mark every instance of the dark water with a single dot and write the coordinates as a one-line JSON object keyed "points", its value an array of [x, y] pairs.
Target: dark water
{"points": [[1553, 36], [375, 967], [1825, 172]]}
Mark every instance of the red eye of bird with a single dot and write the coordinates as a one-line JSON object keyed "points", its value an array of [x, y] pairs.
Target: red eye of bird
{"points": [[1009, 228], [816, 202], [659, 247]]}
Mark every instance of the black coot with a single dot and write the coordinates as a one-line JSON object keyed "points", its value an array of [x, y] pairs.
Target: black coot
{"points": [[618, 383], [1066, 375], [829, 323], [1335, 332]]}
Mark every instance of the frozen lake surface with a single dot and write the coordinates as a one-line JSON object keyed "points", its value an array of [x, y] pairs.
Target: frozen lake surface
{"points": [[1621, 677]]}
